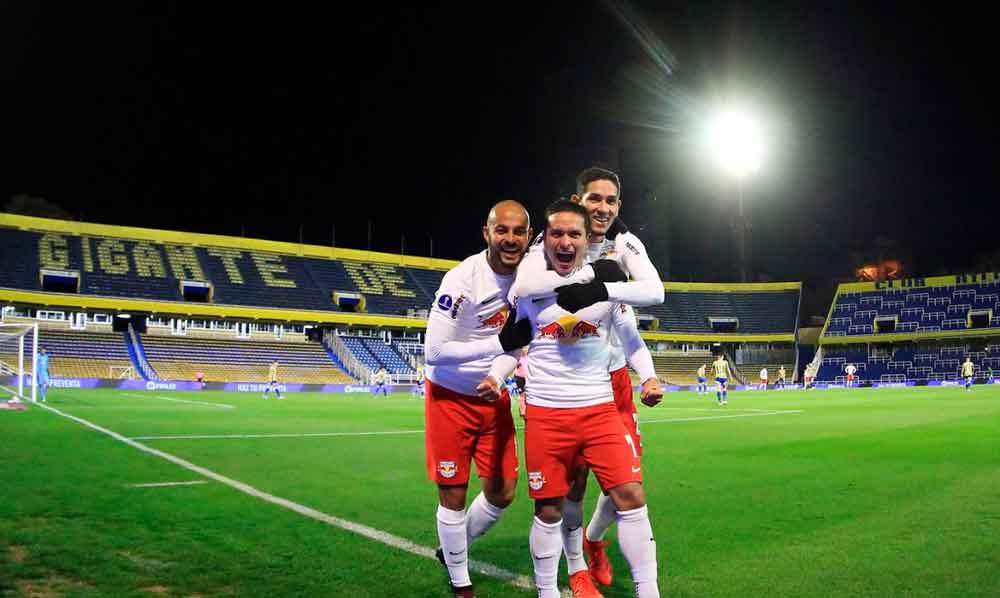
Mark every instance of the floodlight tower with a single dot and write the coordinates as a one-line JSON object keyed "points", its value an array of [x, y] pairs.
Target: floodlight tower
{"points": [[738, 146]]}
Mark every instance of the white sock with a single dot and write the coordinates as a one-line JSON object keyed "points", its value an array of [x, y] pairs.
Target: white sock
{"points": [[635, 537], [544, 541], [481, 516], [572, 536], [452, 535], [605, 514]]}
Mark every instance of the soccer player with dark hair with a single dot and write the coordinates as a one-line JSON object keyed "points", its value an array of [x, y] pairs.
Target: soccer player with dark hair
{"points": [[611, 249], [468, 411], [572, 418]]}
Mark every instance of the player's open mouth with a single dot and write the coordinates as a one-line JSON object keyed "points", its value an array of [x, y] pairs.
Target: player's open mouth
{"points": [[604, 220], [565, 257], [511, 254]]}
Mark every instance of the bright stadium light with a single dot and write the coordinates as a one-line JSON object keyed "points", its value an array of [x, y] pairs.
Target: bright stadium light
{"points": [[737, 141], [735, 138]]}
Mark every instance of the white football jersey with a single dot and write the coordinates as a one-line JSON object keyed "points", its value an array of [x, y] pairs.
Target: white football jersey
{"points": [[569, 354], [470, 305], [850, 369]]}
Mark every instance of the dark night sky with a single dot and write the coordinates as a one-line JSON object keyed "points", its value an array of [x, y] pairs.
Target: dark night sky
{"points": [[203, 119]]}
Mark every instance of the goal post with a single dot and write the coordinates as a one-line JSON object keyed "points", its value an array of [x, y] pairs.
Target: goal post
{"points": [[19, 360]]}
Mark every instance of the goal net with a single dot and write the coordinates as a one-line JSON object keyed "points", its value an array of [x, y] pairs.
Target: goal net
{"points": [[18, 361]]}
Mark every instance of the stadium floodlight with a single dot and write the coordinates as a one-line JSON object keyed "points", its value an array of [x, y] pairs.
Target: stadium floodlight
{"points": [[736, 140]]}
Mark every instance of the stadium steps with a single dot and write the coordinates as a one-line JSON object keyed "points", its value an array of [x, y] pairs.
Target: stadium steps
{"points": [[681, 368]]}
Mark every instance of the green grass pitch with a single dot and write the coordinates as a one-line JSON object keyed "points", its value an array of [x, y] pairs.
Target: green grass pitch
{"points": [[886, 492]]}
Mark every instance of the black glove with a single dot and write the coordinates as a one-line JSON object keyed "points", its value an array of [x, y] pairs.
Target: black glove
{"points": [[608, 271], [515, 335], [574, 297], [617, 227]]}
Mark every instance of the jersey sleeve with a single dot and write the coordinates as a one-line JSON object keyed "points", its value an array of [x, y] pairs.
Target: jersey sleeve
{"points": [[645, 287], [443, 326], [503, 366], [534, 279], [636, 352]]}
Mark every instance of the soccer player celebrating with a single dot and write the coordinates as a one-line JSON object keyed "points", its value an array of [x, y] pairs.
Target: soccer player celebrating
{"points": [[598, 192], [272, 375], [42, 376], [468, 414], [571, 414], [850, 370], [780, 383], [968, 370], [720, 370], [702, 386], [380, 381], [763, 378]]}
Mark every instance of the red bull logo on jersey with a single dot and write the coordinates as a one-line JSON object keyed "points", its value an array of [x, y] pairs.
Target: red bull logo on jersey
{"points": [[536, 480], [447, 469], [497, 320], [569, 329]]}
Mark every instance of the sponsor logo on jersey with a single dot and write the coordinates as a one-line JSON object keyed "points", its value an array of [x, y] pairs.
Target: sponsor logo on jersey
{"points": [[444, 302], [447, 469], [536, 480], [631, 247], [569, 329], [458, 304], [497, 320]]}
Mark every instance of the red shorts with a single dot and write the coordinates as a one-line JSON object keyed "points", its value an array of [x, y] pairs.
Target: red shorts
{"points": [[621, 385], [462, 428], [850, 377], [554, 438]]}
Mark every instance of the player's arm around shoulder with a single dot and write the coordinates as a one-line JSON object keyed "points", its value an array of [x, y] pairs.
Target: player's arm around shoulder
{"points": [[645, 287]]}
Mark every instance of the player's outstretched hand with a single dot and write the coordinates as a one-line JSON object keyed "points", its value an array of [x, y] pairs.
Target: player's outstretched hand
{"points": [[488, 389], [515, 335], [651, 394], [574, 297], [522, 406], [608, 271]]}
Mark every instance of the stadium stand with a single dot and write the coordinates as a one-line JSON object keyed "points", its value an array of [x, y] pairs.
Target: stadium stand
{"points": [[75, 354], [376, 353], [144, 269], [227, 360], [252, 280], [934, 329], [758, 312]]}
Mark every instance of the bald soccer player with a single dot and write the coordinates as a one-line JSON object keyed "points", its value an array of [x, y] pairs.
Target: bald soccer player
{"points": [[468, 411]]}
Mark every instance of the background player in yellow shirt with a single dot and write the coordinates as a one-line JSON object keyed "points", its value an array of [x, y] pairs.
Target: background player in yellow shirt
{"points": [[720, 369], [272, 376], [968, 370], [780, 383], [702, 382]]}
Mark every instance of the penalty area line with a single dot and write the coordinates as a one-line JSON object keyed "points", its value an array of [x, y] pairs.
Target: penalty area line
{"points": [[276, 435], [167, 484], [487, 569]]}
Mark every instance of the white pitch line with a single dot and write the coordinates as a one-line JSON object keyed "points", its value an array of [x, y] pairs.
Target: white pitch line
{"points": [[166, 484], [222, 405], [514, 579], [277, 435], [643, 422]]}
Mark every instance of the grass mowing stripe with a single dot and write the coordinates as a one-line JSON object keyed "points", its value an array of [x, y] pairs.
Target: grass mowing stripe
{"points": [[276, 435], [221, 405], [487, 569], [643, 422]]}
